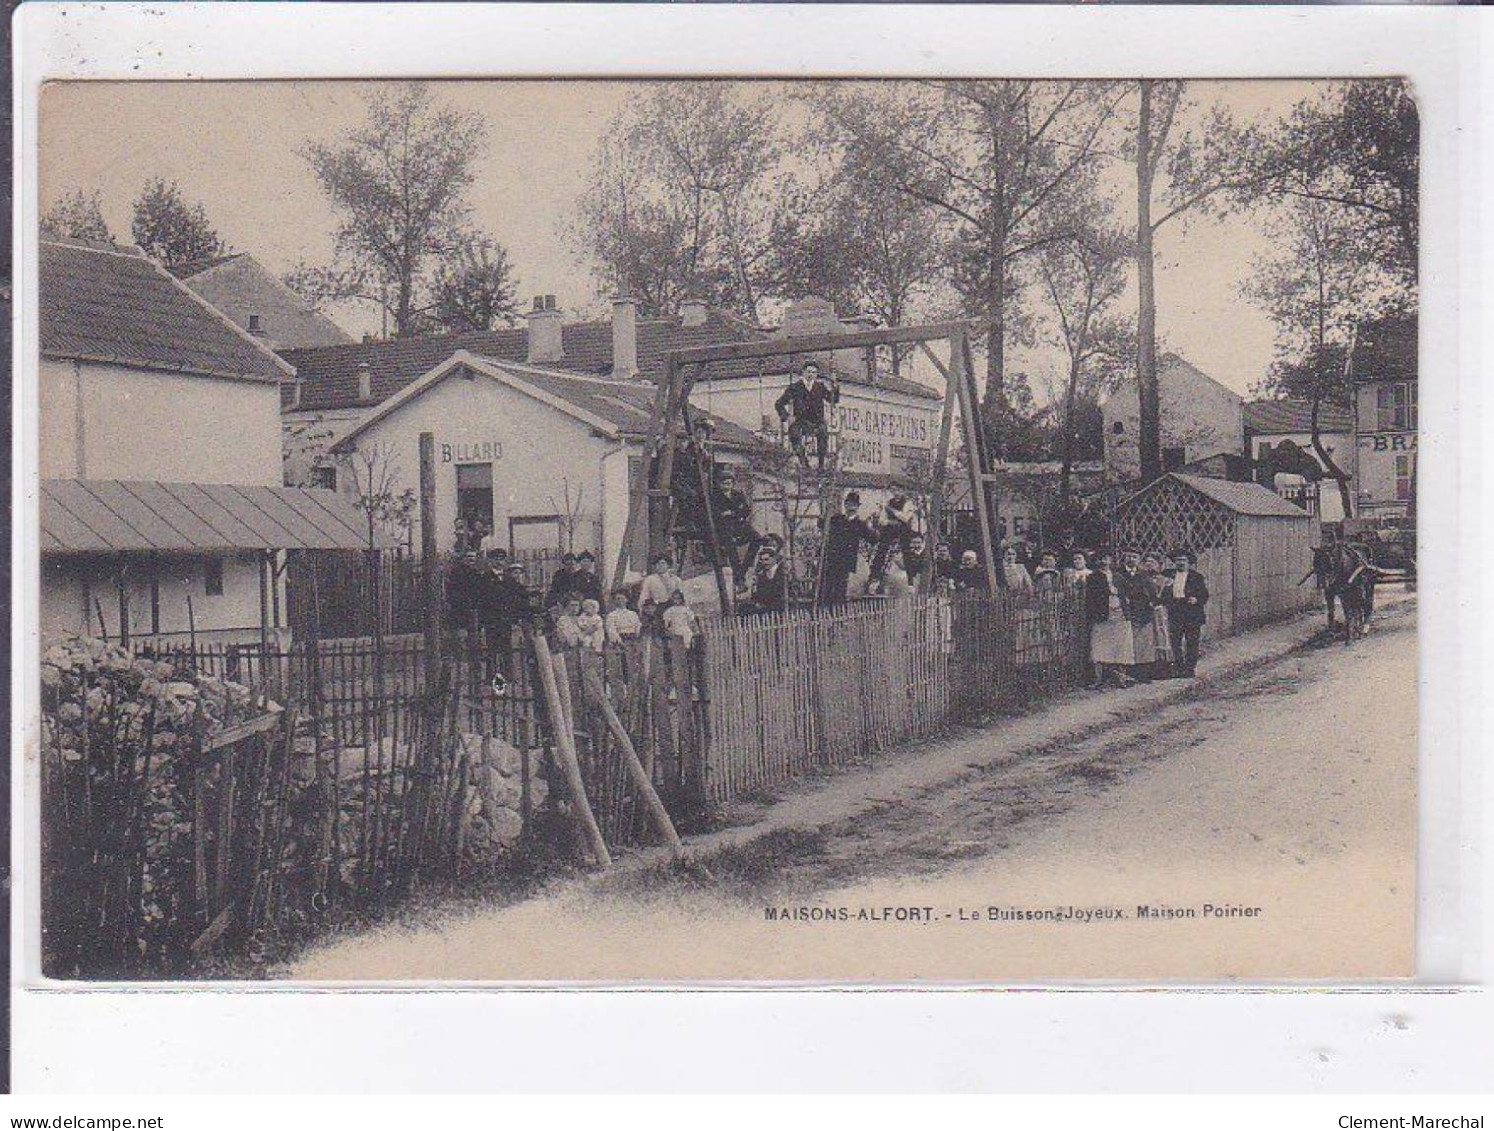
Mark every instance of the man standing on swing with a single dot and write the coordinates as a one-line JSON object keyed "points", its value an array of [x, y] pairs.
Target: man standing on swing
{"points": [[802, 406]]}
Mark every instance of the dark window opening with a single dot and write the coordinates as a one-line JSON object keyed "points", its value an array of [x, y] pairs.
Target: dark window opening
{"points": [[1118, 427], [1173, 459], [324, 477], [212, 576], [475, 494]]}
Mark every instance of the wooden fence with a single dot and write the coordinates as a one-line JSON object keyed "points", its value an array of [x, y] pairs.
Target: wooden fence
{"points": [[790, 692]]}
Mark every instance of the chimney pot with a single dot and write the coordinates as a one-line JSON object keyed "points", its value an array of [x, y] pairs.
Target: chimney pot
{"points": [[365, 381], [545, 337], [254, 326], [624, 337], [693, 311]]}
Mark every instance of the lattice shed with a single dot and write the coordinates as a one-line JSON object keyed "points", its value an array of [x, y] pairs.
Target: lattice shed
{"points": [[1252, 545]]}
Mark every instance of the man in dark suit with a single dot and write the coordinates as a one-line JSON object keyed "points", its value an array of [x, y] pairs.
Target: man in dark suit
{"points": [[803, 406], [843, 537], [1185, 598], [769, 593]]}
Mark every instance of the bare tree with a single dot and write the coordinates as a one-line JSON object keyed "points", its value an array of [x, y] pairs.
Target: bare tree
{"points": [[375, 480]]}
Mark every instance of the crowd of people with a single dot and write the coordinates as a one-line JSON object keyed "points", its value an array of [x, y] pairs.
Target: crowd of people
{"points": [[1144, 611]]}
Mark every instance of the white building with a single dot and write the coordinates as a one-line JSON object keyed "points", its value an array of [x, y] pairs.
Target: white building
{"points": [[1200, 418], [161, 510], [539, 430], [1385, 419]]}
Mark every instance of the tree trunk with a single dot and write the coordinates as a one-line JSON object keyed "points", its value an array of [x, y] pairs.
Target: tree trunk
{"points": [[1336, 473], [1150, 438]]}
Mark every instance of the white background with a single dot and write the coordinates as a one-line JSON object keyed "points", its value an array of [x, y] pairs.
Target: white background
{"points": [[276, 1039]]}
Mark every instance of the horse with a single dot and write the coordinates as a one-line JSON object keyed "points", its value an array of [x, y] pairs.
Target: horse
{"points": [[1345, 575]]}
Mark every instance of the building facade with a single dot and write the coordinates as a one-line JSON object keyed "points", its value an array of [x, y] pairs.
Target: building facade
{"points": [[159, 436], [1385, 419], [1200, 418]]}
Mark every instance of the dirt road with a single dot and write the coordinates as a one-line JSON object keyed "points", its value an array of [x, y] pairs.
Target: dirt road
{"points": [[1266, 823]]}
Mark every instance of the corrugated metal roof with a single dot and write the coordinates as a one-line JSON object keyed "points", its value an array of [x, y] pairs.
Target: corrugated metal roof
{"points": [[1242, 498], [104, 515]]}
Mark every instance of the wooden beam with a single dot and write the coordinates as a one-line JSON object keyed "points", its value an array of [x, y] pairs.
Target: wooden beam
{"points": [[639, 504], [429, 568], [817, 343], [941, 466], [975, 452]]}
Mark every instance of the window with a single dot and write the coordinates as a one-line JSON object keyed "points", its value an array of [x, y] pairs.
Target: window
{"points": [[1173, 459], [474, 483], [324, 477], [212, 576], [1118, 427], [1395, 407], [1403, 473]]}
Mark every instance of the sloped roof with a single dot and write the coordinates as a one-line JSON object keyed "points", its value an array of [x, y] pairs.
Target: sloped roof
{"points": [[1173, 363], [1242, 498], [240, 286], [620, 409], [1294, 415], [329, 375], [113, 305], [106, 515]]}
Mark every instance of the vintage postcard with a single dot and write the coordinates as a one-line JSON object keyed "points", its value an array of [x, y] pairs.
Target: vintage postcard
{"points": [[711, 530]]}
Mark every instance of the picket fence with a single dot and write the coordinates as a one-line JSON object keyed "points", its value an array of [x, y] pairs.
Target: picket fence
{"points": [[787, 693]]}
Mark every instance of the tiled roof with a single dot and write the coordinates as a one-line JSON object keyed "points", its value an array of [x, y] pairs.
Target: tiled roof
{"points": [[1242, 498], [101, 515], [240, 286], [1293, 415], [329, 375], [623, 407], [113, 305]]}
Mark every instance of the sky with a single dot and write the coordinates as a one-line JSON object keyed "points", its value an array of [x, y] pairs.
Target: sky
{"points": [[237, 148]]}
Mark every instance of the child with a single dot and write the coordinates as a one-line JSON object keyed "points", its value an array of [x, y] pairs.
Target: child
{"points": [[589, 624], [623, 623], [680, 621]]}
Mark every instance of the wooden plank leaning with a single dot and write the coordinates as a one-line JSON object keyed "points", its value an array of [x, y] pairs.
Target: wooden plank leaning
{"points": [[565, 743]]}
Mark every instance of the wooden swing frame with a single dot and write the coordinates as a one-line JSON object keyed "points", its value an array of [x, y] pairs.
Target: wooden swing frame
{"points": [[683, 368]]}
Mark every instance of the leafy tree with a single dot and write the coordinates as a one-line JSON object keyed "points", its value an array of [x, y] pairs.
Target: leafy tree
{"points": [[397, 185], [1318, 288], [859, 243], [682, 196], [78, 216], [172, 231], [1357, 147], [1006, 166], [474, 288]]}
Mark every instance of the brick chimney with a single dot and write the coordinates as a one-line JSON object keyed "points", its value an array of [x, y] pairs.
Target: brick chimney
{"points": [[544, 330], [693, 311], [365, 381], [624, 336]]}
